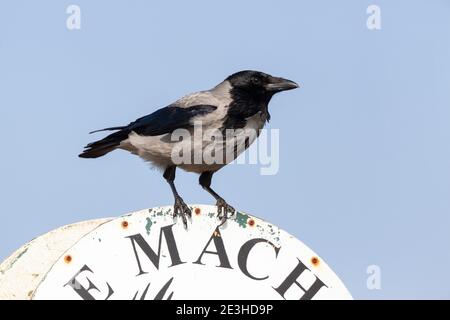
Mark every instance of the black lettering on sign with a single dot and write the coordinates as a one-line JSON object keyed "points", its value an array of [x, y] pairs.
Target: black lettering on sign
{"points": [[292, 279], [84, 292], [220, 247], [244, 252], [151, 254]]}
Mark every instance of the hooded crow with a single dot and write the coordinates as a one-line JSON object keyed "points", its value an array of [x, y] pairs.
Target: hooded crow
{"points": [[174, 136]]}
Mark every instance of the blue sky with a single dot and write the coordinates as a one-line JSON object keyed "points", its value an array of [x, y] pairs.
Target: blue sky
{"points": [[364, 173]]}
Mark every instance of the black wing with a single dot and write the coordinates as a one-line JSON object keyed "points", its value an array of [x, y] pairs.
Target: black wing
{"points": [[168, 119], [162, 121]]}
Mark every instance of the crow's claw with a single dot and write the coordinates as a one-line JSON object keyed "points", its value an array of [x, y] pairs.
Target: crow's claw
{"points": [[223, 210], [181, 209]]}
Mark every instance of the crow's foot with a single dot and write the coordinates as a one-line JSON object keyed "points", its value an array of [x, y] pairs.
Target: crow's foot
{"points": [[182, 210], [224, 210]]}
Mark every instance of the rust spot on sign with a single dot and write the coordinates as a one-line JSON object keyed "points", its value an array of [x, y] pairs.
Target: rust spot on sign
{"points": [[68, 258], [315, 261], [124, 224], [251, 222], [197, 211]]}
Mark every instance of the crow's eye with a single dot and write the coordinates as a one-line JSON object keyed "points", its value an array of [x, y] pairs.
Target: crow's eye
{"points": [[255, 80]]}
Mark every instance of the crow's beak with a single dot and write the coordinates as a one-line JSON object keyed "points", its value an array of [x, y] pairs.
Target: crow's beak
{"points": [[280, 84]]}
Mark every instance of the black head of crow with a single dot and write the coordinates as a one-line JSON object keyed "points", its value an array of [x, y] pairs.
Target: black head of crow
{"points": [[238, 103]]}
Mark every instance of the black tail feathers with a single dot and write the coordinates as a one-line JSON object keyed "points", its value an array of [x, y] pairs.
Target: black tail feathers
{"points": [[108, 129], [100, 148]]}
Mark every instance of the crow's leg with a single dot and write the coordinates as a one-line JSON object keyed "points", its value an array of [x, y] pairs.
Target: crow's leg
{"points": [[223, 208], [180, 208]]}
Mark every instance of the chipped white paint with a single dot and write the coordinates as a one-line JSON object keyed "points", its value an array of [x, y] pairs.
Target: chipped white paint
{"points": [[21, 273], [247, 258]]}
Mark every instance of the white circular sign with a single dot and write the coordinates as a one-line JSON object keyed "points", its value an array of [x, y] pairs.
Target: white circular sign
{"points": [[148, 255]]}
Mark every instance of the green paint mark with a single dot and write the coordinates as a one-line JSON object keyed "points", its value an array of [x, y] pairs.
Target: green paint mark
{"points": [[211, 214], [242, 219], [148, 226], [277, 238]]}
